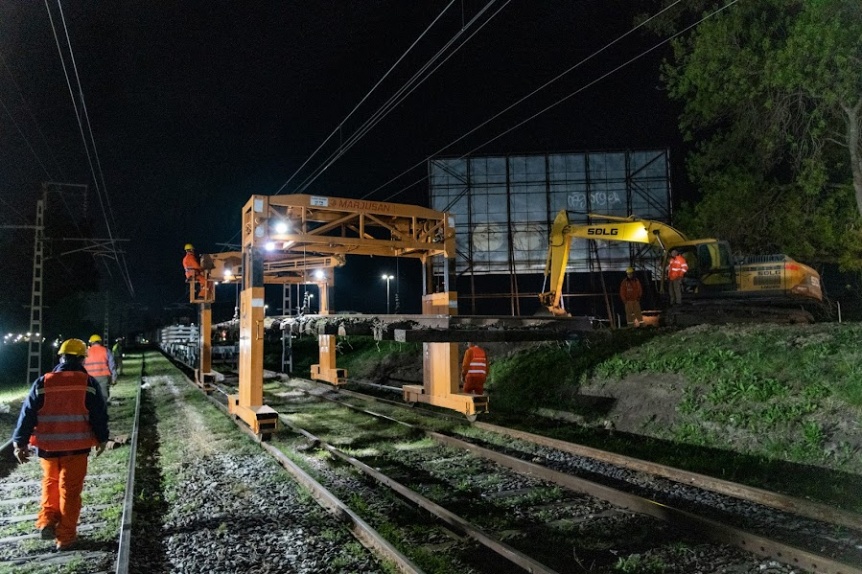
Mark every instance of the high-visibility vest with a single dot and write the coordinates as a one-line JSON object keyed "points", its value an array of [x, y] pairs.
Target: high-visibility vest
{"points": [[476, 362], [96, 363], [677, 268], [191, 265], [63, 422]]}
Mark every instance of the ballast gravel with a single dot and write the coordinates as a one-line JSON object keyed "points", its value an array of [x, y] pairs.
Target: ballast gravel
{"points": [[227, 510]]}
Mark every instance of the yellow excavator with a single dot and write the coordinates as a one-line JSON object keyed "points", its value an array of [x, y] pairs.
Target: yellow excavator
{"points": [[714, 274]]}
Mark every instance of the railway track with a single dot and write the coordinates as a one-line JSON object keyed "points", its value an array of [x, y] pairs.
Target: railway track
{"points": [[816, 541], [511, 504], [105, 524]]}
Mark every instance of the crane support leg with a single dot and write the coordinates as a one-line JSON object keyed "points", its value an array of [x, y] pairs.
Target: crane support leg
{"points": [[248, 404], [204, 376], [441, 367], [326, 369]]}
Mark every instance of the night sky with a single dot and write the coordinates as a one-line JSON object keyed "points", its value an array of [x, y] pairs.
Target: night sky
{"points": [[196, 105]]}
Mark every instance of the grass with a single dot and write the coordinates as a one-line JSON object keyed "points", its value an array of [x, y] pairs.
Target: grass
{"points": [[104, 484], [11, 393], [738, 382], [11, 398], [176, 446], [640, 564]]}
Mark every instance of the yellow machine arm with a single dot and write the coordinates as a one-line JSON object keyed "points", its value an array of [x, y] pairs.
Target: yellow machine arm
{"points": [[627, 229]]}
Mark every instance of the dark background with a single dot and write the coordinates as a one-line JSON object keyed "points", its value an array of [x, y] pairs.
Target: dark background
{"points": [[195, 106]]}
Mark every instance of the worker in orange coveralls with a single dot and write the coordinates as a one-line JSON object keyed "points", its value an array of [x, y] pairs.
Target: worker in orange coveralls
{"points": [[64, 416], [474, 369], [631, 292], [194, 271]]}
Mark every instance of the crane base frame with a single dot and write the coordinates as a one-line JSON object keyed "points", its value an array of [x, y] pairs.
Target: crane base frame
{"points": [[329, 375], [462, 402], [262, 419], [205, 381]]}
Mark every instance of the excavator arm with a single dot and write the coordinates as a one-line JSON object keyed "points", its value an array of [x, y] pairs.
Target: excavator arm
{"points": [[626, 229]]}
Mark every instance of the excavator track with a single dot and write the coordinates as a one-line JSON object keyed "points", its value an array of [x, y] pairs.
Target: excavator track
{"points": [[721, 312]]}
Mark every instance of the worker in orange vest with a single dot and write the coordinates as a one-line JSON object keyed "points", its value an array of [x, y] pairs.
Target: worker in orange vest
{"points": [[194, 271], [474, 369], [100, 365], [63, 417], [676, 270], [631, 292]]}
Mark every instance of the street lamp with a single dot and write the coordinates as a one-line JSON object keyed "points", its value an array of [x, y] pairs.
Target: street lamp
{"points": [[387, 278]]}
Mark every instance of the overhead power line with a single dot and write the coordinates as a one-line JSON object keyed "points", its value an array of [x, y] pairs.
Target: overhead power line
{"points": [[356, 107], [24, 137], [409, 87], [89, 145], [518, 102], [35, 122]]}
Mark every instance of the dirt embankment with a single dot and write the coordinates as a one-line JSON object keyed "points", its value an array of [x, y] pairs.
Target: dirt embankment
{"points": [[790, 393]]}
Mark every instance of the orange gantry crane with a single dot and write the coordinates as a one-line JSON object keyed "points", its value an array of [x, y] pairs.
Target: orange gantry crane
{"points": [[289, 239]]}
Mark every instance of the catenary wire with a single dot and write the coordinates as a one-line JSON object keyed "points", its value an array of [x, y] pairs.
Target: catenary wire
{"points": [[101, 190], [103, 202], [24, 137], [602, 77], [520, 101], [367, 95], [579, 90], [339, 126], [32, 117], [408, 88]]}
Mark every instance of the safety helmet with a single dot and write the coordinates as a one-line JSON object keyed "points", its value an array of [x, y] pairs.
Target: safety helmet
{"points": [[630, 270], [189, 247], [75, 347], [95, 339], [674, 252]]}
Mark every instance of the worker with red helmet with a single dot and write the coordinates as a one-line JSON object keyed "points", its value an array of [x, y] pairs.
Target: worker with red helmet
{"points": [[676, 270], [100, 365], [64, 416], [474, 369]]}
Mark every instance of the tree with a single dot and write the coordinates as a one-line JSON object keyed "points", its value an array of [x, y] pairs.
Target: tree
{"points": [[772, 96]]}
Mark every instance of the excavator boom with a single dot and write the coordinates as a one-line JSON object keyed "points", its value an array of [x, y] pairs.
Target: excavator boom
{"points": [[713, 270], [627, 229]]}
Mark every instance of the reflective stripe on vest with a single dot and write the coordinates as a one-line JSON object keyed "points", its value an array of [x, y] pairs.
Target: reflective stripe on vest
{"points": [[478, 362], [677, 268], [96, 362], [63, 422]]}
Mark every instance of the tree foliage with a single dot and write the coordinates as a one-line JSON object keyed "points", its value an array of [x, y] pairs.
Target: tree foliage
{"points": [[772, 98]]}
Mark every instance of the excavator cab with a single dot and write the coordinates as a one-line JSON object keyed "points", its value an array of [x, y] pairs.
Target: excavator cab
{"points": [[710, 266]]}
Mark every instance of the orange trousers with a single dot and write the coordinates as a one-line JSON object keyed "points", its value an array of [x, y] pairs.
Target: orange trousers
{"points": [[62, 483], [474, 384]]}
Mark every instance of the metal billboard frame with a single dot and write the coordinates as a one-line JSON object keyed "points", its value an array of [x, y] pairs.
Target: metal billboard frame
{"points": [[503, 206]]}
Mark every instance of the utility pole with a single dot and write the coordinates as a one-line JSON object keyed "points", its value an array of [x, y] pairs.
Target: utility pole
{"points": [[107, 320], [95, 246], [387, 278], [34, 356]]}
